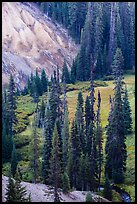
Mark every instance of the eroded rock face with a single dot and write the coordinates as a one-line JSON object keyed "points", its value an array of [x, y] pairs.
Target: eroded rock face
{"points": [[31, 40]]}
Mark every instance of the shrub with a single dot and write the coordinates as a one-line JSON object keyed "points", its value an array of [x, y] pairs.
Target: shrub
{"points": [[65, 183], [89, 197]]}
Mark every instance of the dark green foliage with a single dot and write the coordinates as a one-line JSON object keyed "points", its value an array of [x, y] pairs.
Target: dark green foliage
{"points": [[34, 146], [81, 63], [100, 28], [126, 24], [82, 172], [127, 113], [92, 153], [11, 105], [15, 191], [65, 138], [89, 197], [109, 130], [65, 73], [74, 154], [77, 13], [107, 189], [118, 64], [65, 183], [10, 194], [44, 81], [9, 120], [116, 153], [80, 121], [55, 102], [46, 154], [59, 130], [55, 165], [99, 139], [87, 115], [42, 111], [38, 84], [14, 161], [73, 72]]}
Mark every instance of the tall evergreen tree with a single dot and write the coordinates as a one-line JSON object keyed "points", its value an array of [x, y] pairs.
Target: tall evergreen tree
{"points": [[38, 84], [65, 73], [80, 121], [34, 158], [14, 161], [124, 11], [10, 194], [65, 137], [87, 115], [92, 154], [65, 183], [117, 147], [46, 154], [112, 37], [99, 139], [107, 189], [11, 105], [127, 113], [73, 72], [109, 129], [42, 111], [55, 166], [74, 155], [15, 191], [44, 81]]}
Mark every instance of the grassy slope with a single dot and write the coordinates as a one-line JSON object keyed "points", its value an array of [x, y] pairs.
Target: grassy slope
{"points": [[26, 108]]}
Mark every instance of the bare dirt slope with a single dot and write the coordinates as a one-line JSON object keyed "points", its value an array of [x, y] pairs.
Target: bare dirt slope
{"points": [[31, 40], [44, 193]]}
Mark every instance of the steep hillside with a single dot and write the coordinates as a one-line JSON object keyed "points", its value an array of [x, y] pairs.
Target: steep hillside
{"points": [[31, 40]]}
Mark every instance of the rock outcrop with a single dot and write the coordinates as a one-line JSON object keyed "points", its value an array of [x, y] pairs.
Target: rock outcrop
{"points": [[31, 40]]}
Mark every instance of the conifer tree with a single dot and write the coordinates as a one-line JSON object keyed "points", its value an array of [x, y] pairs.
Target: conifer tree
{"points": [[80, 120], [46, 154], [65, 183], [15, 191], [55, 165], [11, 105], [73, 72], [7, 140], [99, 139], [112, 38], [65, 137], [92, 154], [107, 189], [21, 192], [75, 154], [59, 101], [127, 113], [109, 129], [87, 115], [14, 161], [44, 81], [34, 158], [65, 73], [82, 172], [54, 100], [116, 149], [38, 84], [10, 194]]}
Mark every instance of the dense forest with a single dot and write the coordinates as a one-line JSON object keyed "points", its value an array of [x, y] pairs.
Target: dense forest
{"points": [[100, 28], [72, 155]]}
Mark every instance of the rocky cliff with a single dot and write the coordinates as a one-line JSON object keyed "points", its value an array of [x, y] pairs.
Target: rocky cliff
{"points": [[31, 40]]}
